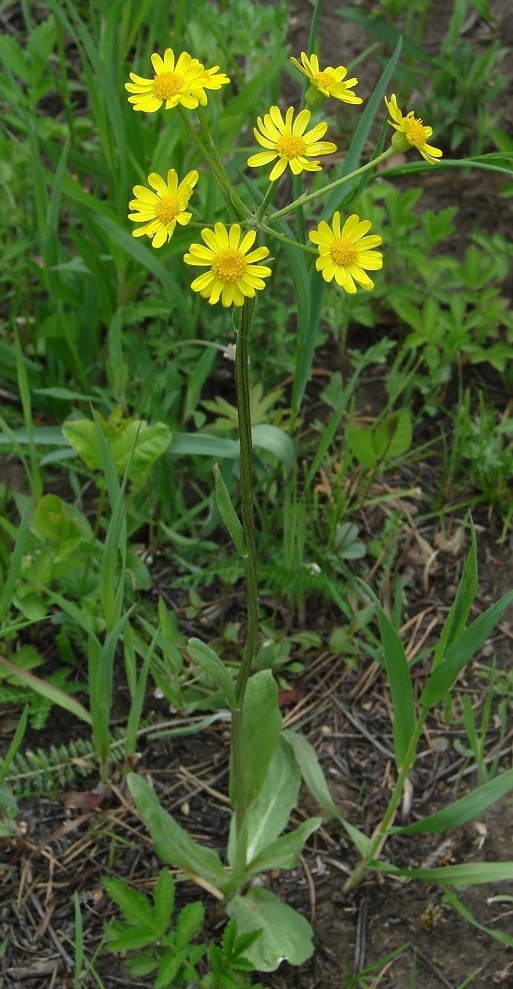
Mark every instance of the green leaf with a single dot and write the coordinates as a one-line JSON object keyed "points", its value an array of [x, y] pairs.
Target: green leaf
{"points": [[134, 905], [465, 809], [268, 816], [49, 691], [451, 898], [393, 436], [459, 653], [460, 609], [466, 874], [285, 934], [313, 776], [189, 923], [164, 900], [398, 671], [276, 441], [172, 844], [228, 513], [121, 435], [285, 851], [261, 724], [213, 666], [361, 445]]}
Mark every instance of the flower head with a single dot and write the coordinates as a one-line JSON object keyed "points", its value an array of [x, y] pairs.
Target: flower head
{"points": [[326, 82], [287, 141], [411, 132], [345, 252], [233, 274], [182, 81], [160, 211]]}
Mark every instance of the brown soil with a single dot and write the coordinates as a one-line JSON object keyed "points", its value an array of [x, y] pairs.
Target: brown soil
{"points": [[65, 843]]}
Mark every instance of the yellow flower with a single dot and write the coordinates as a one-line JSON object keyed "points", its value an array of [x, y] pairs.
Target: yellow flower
{"points": [[326, 82], [233, 274], [160, 211], [175, 82], [209, 79], [287, 141], [411, 132], [344, 253]]}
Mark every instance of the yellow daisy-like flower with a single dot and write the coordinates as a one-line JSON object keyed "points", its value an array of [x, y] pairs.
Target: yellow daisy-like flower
{"points": [[326, 82], [287, 140], [411, 132], [160, 211], [233, 273], [345, 252], [209, 79], [182, 81]]}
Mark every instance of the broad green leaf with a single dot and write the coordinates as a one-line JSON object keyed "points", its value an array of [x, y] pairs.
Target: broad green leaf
{"points": [[152, 442], [261, 724], [467, 808], [459, 653], [361, 445], [285, 851], [172, 844], [209, 661], [228, 513], [274, 440], [268, 816], [203, 445], [393, 436], [285, 934]]}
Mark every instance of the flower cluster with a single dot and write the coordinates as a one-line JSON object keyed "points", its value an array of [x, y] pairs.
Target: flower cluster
{"points": [[182, 81], [233, 269]]}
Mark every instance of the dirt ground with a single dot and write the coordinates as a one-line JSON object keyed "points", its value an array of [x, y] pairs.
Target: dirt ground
{"points": [[68, 841]]}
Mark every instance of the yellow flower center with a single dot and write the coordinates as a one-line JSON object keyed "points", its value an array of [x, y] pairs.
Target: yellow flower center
{"points": [[290, 146], [166, 85], [415, 132], [229, 265], [326, 79], [343, 252], [168, 208]]}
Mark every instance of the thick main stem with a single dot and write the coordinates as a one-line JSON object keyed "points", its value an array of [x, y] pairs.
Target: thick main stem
{"points": [[248, 525]]}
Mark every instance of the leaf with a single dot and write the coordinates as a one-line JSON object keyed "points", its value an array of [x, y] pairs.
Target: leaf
{"points": [[261, 724], [450, 897], [466, 874], [460, 609], [401, 688], [172, 844], [50, 692], [213, 666], [152, 442], [269, 814], [459, 653], [471, 806], [285, 934], [189, 923], [276, 441], [313, 776], [164, 900], [134, 905], [228, 513], [285, 851]]}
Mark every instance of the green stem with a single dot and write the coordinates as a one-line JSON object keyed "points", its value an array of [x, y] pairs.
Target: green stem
{"points": [[248, 525], [379, 837], [332, 185], [216, 167]]}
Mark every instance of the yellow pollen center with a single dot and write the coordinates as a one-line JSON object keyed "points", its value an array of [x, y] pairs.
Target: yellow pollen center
{"points": [[290, 146], [168, 208], [326, 79], [343, 252], [229, 265], [416, 132], [166, 85]]}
